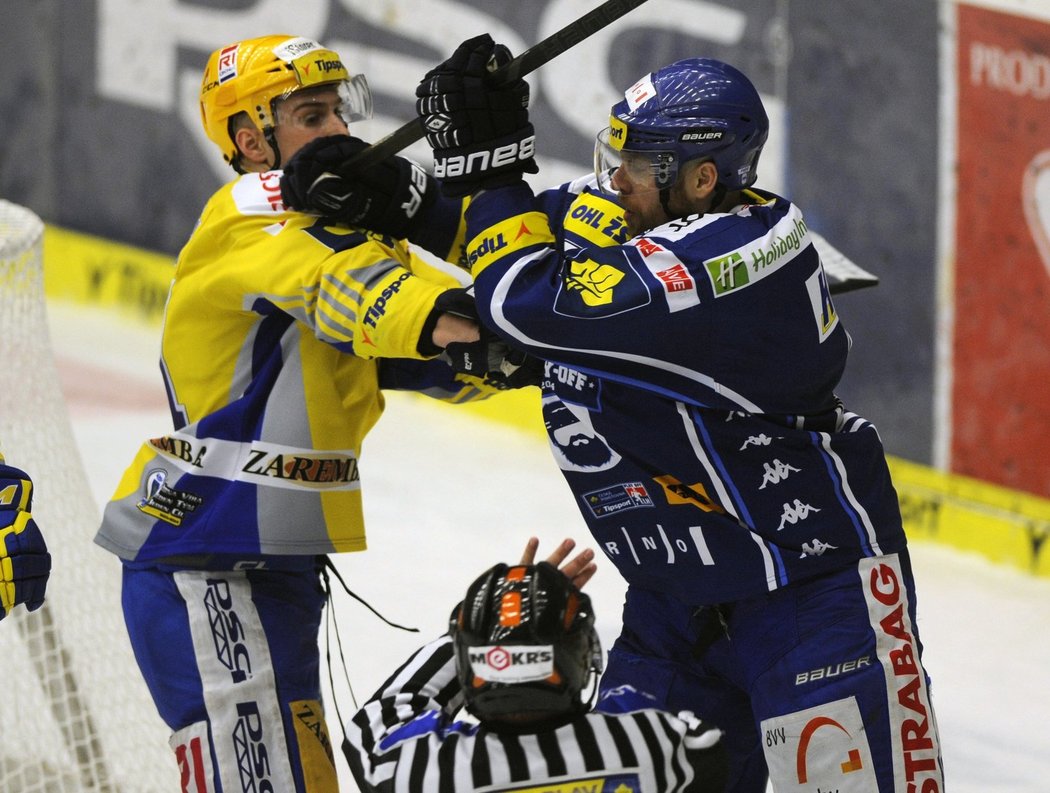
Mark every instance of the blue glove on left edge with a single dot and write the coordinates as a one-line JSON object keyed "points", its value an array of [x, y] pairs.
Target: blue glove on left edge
{"points": [[25, 564]]}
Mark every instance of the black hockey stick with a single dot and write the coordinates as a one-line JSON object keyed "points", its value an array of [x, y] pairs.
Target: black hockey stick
{"points": [[843, 274], [525, 63]]}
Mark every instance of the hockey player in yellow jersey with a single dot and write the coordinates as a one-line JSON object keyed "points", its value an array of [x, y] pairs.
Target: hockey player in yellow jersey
{"points": [[280, 331]]}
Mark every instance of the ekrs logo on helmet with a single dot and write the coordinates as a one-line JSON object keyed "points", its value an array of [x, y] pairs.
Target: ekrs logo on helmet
{"points": [[525, 642], [512, 664]]}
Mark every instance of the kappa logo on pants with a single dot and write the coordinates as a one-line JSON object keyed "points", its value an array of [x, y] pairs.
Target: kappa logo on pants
{"points": [[820, 749]]}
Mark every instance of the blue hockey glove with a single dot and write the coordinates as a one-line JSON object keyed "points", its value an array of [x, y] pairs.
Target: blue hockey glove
{"points": [[386, 198], [480, 132], [25, 563]]}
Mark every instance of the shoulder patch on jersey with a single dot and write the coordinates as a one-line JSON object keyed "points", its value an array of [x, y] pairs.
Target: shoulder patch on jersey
{"points": [[595, 220], [506, 237], [258, 194], [614, 499], [574, 442], [759, 258], [677, 282], [823, 308], [594, 288]]}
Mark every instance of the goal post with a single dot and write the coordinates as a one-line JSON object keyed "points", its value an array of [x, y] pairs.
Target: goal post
{"points": [[75, 714]]}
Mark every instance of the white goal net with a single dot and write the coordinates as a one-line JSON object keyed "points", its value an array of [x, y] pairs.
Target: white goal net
{"points": [[74, 713]]}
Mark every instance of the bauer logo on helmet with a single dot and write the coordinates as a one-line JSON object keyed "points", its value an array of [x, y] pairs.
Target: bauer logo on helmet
{"points": [[701, 135]]}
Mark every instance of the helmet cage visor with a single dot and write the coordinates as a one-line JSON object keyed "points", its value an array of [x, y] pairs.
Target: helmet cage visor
{"points": [[649, 169]]}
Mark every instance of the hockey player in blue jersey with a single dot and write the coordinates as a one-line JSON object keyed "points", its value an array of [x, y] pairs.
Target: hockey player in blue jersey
{"points": [[692, 352]]}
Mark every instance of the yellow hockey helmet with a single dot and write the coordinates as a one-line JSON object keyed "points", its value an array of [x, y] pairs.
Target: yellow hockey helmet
{"points": [[250, 76]]}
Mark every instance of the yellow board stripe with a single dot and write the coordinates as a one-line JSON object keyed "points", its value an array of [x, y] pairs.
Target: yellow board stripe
{"points": [[1004, 525], [91, 270]]}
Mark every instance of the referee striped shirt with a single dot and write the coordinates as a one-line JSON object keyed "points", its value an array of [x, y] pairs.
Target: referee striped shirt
{"points": [[405, 740]]}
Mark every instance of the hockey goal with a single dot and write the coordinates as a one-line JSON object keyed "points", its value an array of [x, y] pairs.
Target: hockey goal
{"points": [[74, 713]]}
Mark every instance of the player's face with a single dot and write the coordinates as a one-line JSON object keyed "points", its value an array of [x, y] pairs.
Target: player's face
{"points": [[306, 115], [642, 206], [642, 209]]}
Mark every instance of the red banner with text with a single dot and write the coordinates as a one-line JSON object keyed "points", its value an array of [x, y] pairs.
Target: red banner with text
{"points": [[1001, 356]]}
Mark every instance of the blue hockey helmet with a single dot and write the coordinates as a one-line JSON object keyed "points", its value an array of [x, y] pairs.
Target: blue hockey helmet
{"points": [[694, 108], [525, 643]]}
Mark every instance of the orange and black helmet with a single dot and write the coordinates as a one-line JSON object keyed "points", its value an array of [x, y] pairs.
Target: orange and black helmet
{"points": [[525, 643]]}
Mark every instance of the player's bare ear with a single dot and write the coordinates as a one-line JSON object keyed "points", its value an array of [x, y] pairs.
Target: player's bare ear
{"points": [[253, 147], [699, 183], [706, 178]]}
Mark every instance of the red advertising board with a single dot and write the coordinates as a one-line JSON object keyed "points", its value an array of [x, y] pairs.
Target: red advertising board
{"points": [[1000, 396]]}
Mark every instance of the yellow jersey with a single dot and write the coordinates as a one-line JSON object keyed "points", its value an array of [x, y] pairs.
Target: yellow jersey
{"points": [[276, 330]]}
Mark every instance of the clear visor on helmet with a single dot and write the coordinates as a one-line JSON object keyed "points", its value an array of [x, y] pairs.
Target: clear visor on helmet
{"points": [[350, 100], [643, 170], [355, 99]]}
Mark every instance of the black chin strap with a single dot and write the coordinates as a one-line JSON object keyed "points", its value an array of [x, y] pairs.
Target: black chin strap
{"points": [[271, 138]]}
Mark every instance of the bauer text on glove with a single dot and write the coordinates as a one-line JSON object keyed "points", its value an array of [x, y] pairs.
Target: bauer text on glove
{"points": [[477, 126]]}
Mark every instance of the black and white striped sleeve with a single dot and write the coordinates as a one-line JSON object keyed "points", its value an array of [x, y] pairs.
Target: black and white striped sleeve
{"points": [[404, 741], [413, 701]]}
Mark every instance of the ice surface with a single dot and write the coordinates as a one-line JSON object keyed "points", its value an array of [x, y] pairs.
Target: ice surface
{"points": [[446, 497]]}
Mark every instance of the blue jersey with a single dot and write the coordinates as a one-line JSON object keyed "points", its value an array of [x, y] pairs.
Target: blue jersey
{"points": [[688, 393]]}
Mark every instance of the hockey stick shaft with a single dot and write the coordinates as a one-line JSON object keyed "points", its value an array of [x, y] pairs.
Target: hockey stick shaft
{"points": [[525, 63]]}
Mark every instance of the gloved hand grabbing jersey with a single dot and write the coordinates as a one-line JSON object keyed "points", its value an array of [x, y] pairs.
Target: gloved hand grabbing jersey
{"points": [[479, 131], [25, 563], [489, 358], [385, 198]]}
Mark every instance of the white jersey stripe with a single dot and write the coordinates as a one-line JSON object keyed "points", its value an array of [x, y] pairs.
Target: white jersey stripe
{"points": [[229, 644]]}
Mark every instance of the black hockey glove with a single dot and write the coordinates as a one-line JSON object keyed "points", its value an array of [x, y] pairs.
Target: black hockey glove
{"points": [[480, 132], [385, 198], [489, 358]]}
